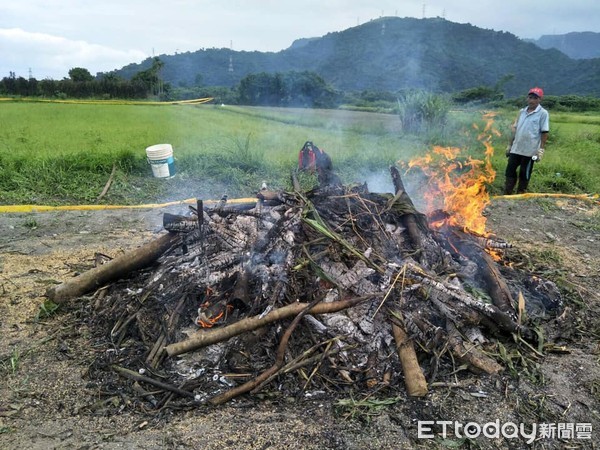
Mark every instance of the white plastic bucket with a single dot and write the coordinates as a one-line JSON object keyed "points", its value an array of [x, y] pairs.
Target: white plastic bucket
{"points": [[160, 158]]}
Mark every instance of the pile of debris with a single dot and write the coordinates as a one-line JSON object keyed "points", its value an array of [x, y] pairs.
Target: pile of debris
{"points": [[329, 290]]}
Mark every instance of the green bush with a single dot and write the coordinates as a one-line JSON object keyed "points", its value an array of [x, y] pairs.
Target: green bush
{"points": [[423, 111]]}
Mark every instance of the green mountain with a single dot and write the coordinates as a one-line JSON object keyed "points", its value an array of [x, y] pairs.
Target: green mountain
{"points": [[394, 54], [576, 45]]}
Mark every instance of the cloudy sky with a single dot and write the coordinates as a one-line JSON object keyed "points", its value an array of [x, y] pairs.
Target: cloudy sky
{"points": [[46, 38]]}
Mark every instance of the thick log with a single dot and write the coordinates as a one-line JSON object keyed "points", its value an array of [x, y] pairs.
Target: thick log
{"points": [[416, 385], [176, 223], [409, 220], [497, 287], [487, 269], [113, 270]]}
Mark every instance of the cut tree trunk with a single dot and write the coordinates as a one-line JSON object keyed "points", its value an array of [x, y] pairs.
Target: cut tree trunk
{"points": [[416, 385], [113, 270]]}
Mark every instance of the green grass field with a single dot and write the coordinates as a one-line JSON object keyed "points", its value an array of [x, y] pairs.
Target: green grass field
{"points": [[52, 153]]}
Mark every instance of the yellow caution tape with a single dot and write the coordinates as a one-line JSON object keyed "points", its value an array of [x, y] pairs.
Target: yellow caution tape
{"points": [[592, 197], [197, 101], [233, 201], [42, 208]]}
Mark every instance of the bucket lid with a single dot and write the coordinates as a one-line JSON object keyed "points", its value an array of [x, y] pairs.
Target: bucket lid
{"points": [[159, 147], [159, 150]]}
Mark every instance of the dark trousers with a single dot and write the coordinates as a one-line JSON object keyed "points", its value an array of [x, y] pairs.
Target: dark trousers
{"points": [[524, 164]]}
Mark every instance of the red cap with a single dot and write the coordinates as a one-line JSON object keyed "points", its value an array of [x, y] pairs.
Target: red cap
{"points": [[537, 91]]}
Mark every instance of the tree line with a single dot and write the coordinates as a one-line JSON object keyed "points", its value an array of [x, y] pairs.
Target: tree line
{"points": [[301, 89], [82, 84], [304, 89]]}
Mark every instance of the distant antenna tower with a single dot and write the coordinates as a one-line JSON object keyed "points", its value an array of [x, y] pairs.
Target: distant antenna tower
{"points": [[231, 57], [444, 13], [424, 5], [30, 74]]}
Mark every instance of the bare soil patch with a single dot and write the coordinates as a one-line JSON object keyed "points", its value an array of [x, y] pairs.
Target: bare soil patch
{"points": [[46, 400]]}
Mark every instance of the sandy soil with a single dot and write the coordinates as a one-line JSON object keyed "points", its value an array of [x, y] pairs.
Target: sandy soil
{"points": [[47, 402]]}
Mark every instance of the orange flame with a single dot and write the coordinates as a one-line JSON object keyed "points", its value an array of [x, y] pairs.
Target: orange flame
{"points": [[457, 185]]}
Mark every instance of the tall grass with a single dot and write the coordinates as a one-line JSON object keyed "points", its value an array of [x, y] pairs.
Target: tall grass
{"points": [[64, 153], [421, 111]]}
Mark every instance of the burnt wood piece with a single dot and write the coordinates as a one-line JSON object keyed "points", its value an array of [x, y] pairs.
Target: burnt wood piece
{"points": [[271, 198], [240, 289], [137, 377], [199, 213], [177, 223], [243, 209], [408, 220], [371, 376], [476, 360], [496, 287], [113, 270]]}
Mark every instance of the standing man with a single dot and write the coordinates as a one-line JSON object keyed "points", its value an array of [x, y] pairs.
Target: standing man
{"points": [[529, 136]]}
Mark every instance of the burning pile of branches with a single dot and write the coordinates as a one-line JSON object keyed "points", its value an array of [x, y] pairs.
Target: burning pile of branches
{"points": [[331, 289]]}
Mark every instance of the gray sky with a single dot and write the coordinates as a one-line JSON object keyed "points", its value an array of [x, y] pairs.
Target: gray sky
{"points": [[49, 37]]}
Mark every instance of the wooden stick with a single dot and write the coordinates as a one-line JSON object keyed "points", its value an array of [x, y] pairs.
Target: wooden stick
{"points": [[416, 385], [295, 182], [108, 183], [137, 377], [114, 269], [204, 338]]}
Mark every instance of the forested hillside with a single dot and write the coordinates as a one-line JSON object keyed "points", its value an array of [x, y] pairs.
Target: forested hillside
{"points": [[583, 45], [395, 54]]}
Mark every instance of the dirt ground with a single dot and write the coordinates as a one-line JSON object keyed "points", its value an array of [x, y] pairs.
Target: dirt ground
{"points": [[46, 401]]}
